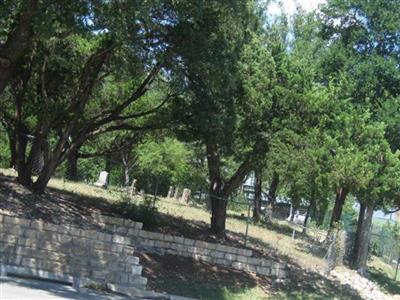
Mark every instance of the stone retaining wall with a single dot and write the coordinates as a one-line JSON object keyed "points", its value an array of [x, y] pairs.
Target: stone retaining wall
{"points": [[237, 258], [119, 235], [70, 252]]}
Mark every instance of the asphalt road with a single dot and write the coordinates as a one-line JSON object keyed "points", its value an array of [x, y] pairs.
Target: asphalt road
{"points": [[27, 289]]}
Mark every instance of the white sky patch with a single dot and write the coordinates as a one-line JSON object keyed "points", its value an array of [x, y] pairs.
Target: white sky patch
{"points": [[288, 7]]}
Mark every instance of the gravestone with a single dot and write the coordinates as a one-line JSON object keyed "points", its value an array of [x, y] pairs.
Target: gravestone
{"points": [[170, 192], [185, 196], [133, 188], [103, 180], [176, 194]]}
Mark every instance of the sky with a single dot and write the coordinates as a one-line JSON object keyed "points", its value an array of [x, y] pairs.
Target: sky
{"points": [[289, 6]]}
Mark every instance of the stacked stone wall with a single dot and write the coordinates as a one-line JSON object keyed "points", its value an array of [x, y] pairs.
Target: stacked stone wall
{"points": [[109, 245], [64, 251]]}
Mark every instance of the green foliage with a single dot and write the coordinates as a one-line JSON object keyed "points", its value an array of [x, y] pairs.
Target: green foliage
{"points": [[167, 158], [144, 211]]}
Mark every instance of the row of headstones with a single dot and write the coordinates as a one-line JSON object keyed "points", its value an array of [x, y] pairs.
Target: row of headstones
{"points": [[173, 192]]}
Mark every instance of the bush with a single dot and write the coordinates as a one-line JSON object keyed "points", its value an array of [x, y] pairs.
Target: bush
{"points": [[144, 212]]}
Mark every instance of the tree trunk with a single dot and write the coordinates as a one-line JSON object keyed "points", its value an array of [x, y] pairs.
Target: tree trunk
{"points": [[360, 250], [219, 191], [44, 177], [272, 192], [17, 43], [125, 167], [13, 150], [72, 165], [218, 203], [257, 195], [306, 218], [341, 194]]}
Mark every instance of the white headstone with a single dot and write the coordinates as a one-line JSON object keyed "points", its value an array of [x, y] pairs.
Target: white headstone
{"points": [[103, 180], [170, 192], [185, 196]]}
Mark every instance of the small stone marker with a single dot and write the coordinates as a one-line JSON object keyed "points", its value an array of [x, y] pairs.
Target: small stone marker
{"points": [[103, 180], [170, 192], [133, 188], [176, 194], [185, 196]]}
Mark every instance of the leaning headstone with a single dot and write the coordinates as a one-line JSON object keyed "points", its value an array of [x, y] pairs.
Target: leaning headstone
{"points": [[176, 194], [170, 192], [268, 213], [133, 188], [103, 180], [185, 196]]}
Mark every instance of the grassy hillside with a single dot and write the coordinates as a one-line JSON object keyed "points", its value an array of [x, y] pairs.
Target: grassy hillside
{"points": [[74, 202]]}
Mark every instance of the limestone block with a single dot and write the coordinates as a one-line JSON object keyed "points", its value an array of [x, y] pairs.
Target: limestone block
{"points": [[16, 221], [178, 239], [132, 260], [129, 223], [118, 239], [117, 248], [222, 248], [168, 238], [241, 258], [250, 268], [29, 262], [114, 221], [217, 254], [122, 230], [75, 231], [200, 244], [37, 224], [161, 244], [192, 249], [237, 265], [245, 252], [63, 228], [7, 238], [14, 230], [147, 243], [155, 235], [188, 242], [133, 232], [137, 280], [32, 234], [254, 261], [222, 262], [230, 257], [123, 278], [50, 227], [136, 270], [63, 238], [266, 263], [211, 246], [104, 237], [263, 270], [138, 225]]}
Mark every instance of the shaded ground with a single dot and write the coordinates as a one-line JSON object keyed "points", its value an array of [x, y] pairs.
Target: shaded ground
{"points": [[191, 278], [384, 281]]}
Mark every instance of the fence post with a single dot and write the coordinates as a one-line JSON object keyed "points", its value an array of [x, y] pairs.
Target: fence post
{"points": [[247, 224], [397, 267]]}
